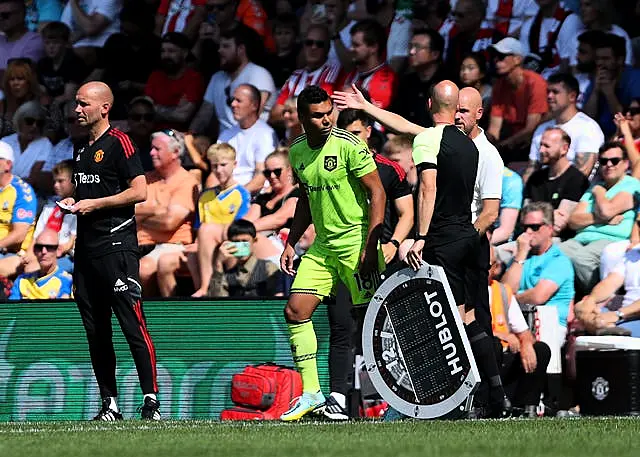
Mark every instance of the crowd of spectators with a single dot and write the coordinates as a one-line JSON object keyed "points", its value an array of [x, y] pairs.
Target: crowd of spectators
{"points": [[207, 91]]}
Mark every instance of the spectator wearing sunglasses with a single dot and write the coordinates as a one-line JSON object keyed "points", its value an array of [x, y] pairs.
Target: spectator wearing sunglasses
{"points": [[16, 41], [31, 147], [273, 211], [540, 272], [48, 282], [253, 139], [605, 214], [519, 102], [141, 121], [317, 71]]}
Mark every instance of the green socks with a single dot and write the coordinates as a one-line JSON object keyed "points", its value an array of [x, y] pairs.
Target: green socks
{"points": [[304, 347]]}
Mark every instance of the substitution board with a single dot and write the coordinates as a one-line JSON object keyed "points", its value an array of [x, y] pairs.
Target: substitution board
{"points": [[415, 347]]}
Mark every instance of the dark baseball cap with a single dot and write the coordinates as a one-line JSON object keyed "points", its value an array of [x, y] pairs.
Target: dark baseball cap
{"points": [[178, 39]]}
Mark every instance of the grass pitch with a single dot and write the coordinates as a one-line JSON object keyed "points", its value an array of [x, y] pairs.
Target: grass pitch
{"points": [[614, 437]]}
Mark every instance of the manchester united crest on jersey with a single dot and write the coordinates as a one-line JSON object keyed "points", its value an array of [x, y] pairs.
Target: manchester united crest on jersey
{"points": [[330, 163], [98, 156]]}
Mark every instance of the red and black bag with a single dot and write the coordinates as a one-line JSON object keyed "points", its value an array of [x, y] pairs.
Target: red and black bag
{"points": [[251, 388], [263, 392]]}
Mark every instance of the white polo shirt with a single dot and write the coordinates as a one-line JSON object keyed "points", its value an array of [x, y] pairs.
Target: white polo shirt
{"points": [[489, 176]]}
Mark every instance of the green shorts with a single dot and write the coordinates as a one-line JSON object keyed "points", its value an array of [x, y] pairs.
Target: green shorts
{"points": [[318, 274]]}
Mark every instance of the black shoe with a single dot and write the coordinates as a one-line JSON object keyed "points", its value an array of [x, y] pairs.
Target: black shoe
{"points": [[333, 410], [107, 414], [501, 410], [150, 410]]}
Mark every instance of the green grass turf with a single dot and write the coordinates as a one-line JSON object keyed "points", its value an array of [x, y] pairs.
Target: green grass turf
{"points": [[614, 437]]}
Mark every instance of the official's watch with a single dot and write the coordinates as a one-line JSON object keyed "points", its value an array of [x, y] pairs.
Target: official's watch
{"points": [[395, 242]]}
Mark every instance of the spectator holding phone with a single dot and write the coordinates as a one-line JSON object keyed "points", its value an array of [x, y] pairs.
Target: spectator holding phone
{"points": [[238, 273]]}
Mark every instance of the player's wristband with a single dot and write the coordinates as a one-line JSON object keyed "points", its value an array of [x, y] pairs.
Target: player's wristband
{"points": [[421, 237], [395, 242]]}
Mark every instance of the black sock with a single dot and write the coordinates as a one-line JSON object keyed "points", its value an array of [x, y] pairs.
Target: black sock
{"points": [[485, 356], [341, 348]]}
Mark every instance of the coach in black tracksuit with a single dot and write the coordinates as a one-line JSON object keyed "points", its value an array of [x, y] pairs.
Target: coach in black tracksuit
{"points": [[109, 182]]}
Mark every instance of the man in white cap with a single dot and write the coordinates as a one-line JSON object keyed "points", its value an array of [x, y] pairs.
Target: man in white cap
{"points": [[519, 101], [18, 205]]}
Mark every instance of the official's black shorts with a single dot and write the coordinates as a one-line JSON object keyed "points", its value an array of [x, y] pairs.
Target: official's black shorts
{"points": [[459, 259]]}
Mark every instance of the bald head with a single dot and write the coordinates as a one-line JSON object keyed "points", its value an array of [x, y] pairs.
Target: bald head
{"points": [[93, 103], [48, 237], [469, 110], [444, 98], [97, 91], [470, 97]]}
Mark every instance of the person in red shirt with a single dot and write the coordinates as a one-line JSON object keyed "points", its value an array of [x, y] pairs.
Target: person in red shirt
{"points": [[371, 73], [176, 89], [318, 71], [519, 102]]}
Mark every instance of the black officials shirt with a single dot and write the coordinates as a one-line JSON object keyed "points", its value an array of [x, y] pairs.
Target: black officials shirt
{"points": [[448, 150], [101, 170], [394, 182]]}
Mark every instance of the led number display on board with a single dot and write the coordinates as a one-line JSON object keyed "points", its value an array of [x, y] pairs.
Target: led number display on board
{"points": [[415, 347]]}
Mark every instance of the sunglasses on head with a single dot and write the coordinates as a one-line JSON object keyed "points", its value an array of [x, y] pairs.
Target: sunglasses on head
{"points": [[39, 247], [30, 122], [276, 171], [533, 227], [632, 110], [317, 43], [137, 117], [605, 161], [169, 132]]}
